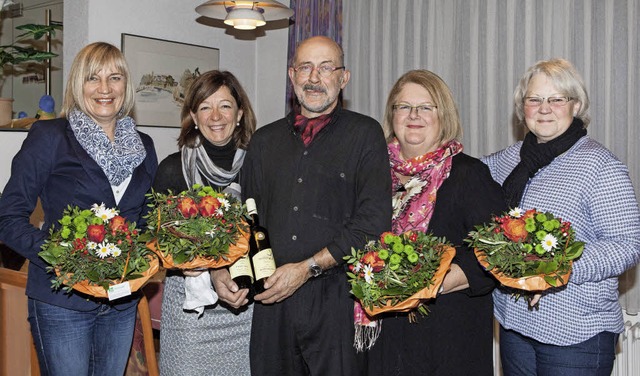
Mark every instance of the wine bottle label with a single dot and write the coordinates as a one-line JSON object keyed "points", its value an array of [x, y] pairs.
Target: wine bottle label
{"points": [[241, 267], [263, 263]]}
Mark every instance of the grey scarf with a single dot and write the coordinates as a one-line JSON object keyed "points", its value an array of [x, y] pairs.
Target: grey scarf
{"points": [[196, 162]]}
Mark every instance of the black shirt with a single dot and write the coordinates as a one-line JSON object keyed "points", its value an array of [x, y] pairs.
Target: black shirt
{"points": [[335, 193]]}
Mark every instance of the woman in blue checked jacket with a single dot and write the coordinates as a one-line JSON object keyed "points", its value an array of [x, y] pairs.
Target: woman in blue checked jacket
{"points": [[560, 169]]}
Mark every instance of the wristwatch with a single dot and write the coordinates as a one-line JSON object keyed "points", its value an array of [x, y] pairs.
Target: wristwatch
{"points": [[314, 269]]}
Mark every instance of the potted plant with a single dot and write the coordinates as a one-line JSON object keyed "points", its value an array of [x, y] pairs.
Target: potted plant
{"points": [[21, 52]]}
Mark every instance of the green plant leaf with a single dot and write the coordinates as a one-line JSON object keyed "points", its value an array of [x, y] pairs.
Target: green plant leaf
{"points": [[574, 250], [551, 280]]}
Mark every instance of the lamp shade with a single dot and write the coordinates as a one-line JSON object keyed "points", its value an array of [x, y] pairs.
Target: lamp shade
{"points": [[244, 14], [244, 19]]}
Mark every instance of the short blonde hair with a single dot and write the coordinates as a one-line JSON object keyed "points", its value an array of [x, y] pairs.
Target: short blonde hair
{"points": [[90, 60], [565, 78], [447, 111]]}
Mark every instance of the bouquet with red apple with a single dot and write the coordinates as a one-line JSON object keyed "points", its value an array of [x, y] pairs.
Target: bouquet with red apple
{"points": [[93, 250], [197, 228]]}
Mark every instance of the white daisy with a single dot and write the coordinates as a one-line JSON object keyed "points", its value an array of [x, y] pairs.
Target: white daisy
{"points": [[115, 252], [224, 203], [102, 251], [92, 245], [368, 273], [549, 242], [111, 212], [102, 212], [516, 212], [357, 267]]}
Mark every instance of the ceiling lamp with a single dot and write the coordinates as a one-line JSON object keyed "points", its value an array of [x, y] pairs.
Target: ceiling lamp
{"points": [[245, 15]]}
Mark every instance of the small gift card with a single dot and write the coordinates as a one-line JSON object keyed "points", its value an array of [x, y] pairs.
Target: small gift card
{"points": [[118, 291]]}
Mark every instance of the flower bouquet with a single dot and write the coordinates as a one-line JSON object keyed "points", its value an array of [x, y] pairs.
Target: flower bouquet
{"points": [[197, 228], [397, 272], [530, 251], [95, 250]]}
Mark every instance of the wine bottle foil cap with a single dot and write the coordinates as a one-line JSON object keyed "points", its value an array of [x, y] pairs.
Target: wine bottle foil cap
{"points": [[251, 206]]}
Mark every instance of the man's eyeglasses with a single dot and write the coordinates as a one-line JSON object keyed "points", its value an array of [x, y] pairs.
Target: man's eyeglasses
{"points": [[553, 101], [405, 109], [324, 70]]}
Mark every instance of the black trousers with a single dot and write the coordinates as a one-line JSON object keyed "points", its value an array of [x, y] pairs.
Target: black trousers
{"points": [[309, 333]]}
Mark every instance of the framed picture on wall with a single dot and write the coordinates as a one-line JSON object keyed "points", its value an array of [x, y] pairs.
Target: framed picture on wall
{"points": [[161, 71]]}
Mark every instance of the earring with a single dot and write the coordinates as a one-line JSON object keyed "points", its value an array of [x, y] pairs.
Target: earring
{"points": [[237, 124], [196, 126]]}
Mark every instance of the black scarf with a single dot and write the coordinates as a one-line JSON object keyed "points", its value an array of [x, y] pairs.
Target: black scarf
{"points": [[534, 156]]}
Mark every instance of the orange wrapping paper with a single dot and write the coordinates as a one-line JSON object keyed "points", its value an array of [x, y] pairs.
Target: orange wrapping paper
{"points": [[427, 293], [531, 283], [236, 251], [97, 291]]}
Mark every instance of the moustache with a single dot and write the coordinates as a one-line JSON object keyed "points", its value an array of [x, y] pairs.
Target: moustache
{"points": [[314, 88]]}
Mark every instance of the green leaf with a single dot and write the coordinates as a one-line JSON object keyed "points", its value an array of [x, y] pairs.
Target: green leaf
{"points": [[356, 290], [574, 250], [48, 257], [93, 275], [180, 258], [37, 31], [551, 280]]}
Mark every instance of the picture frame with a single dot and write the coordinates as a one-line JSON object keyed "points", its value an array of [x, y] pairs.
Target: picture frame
{"points": [[161, 71]]}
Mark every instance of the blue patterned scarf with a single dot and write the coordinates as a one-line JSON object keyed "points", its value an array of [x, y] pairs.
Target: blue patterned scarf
{"points": [[117, 159]]}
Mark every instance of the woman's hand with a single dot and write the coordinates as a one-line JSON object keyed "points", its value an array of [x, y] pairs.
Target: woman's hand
{"points": [[454, 280], [228, 290], [535, 300], [193, 272]]}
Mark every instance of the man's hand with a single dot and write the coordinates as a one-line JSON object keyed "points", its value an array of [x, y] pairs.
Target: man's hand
{"points": [[284, 282], [227, 290]]}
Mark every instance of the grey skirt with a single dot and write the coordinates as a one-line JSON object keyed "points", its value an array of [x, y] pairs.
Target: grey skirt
{"points": [[217, 343]]}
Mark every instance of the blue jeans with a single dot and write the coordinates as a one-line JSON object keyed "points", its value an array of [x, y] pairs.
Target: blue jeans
{"points": [[70, 342], [521, 355]]}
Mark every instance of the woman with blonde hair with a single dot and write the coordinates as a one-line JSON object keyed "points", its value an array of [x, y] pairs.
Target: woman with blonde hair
{"points": [[440, 190], [93, 154]]}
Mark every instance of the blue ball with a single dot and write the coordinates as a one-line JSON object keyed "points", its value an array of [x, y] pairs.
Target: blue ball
{"points": [[47, 103]]}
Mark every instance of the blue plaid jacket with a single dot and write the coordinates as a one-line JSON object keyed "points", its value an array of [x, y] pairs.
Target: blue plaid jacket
{"points": [[591, 188]]}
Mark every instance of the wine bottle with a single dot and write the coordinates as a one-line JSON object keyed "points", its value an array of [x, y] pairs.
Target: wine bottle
{"points": [[260, 251], [242, 273]]}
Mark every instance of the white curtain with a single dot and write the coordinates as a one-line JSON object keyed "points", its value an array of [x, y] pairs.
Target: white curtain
{"points": [[482, 47]]}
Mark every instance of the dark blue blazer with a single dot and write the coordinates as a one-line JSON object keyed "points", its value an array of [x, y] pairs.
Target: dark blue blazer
{"points": [[53, 165]]}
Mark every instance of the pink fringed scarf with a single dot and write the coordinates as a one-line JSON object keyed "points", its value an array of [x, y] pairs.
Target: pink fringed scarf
{"points": [[414, 201], [413, 204]]}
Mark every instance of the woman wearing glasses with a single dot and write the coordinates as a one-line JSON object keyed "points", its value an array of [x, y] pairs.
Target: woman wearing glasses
{"points": [[437, 189], [558, 168]]}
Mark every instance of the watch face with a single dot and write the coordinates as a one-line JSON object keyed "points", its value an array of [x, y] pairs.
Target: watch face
{"points": [[316, 270]]}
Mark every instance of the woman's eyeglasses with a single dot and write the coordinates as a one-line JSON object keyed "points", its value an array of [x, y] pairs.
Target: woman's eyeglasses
{"points": [[553, 101], [405, 109]]}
